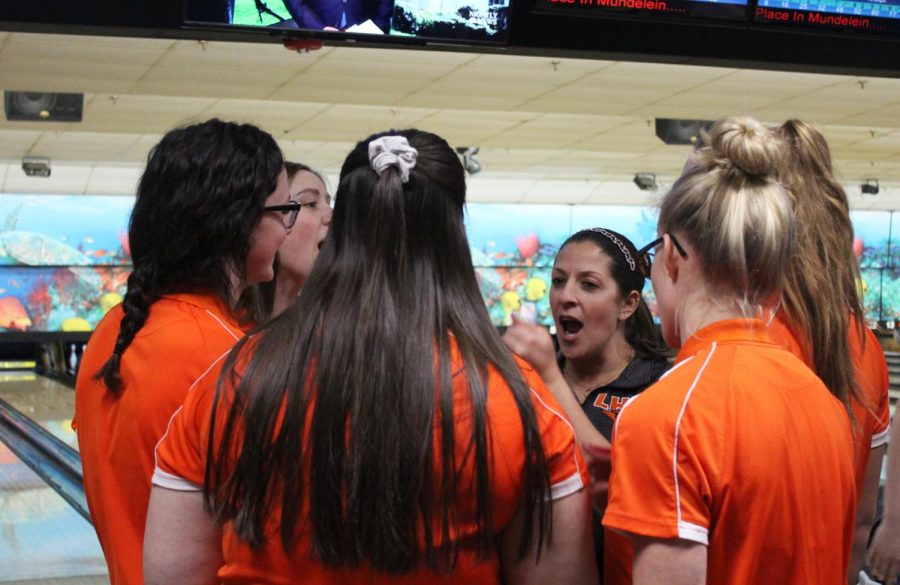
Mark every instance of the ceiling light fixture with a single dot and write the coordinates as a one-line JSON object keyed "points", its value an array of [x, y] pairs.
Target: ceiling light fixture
{"points": [[470, 163], [36, 166], [870, 187], [646, 181]]}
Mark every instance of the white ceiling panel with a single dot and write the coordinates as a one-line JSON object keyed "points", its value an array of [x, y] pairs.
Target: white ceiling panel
{"points": [[400, 56], [247, 83], [778, 78], [607, 100], [90, 146], [220, 56], [420, 73], [344, 123], [59, 76], [543, 124], [45, 48], [112, 180], [469, 128], [16, 143], [552, 191], [347, 89], [622, 193], [137, 152], [824, 106], [504, 188], [277, 117], [64, 178], [138, 114], [635, 69]]}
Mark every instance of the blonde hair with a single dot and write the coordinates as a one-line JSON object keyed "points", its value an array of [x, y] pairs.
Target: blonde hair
{"points": [[733, 211], [821, 279]]}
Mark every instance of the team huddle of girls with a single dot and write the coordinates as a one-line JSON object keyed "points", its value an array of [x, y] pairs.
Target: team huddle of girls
{"points": [[294, 394]]}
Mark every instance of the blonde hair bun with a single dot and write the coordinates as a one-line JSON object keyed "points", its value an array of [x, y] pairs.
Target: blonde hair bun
{"points": [[745, 144]]}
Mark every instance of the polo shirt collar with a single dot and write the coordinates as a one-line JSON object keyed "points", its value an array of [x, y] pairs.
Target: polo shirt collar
{"points": [[208, 302], [725, 331]]}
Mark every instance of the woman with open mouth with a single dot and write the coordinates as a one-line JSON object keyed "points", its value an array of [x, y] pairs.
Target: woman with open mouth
{"points": [[610, 350]]}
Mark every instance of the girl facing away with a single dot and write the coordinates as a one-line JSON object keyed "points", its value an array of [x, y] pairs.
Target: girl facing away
{"points": [[211, 210], [378, 431], [737, 466], [822, 320]]}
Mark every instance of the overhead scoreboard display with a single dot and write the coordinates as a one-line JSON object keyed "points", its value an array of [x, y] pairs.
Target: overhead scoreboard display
{"points": [[826, 15], [715, 9], [870, 15]]}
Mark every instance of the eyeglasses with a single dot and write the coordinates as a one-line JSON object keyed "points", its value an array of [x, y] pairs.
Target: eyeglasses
{"points": [[288, 212], [648, 252]]}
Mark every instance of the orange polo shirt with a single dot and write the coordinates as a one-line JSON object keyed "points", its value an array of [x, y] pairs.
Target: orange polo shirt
{"points": [[182, 455], [873, 419], [739, 447], [184, 336]]}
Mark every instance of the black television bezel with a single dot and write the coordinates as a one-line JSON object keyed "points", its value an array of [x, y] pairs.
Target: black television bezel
{"points": [[705, 42], [747, 22], [223, 31]]}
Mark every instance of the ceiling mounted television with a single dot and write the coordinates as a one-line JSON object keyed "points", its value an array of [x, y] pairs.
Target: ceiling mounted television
{"points": [[861, 15], [414, 21], [664, 9]]}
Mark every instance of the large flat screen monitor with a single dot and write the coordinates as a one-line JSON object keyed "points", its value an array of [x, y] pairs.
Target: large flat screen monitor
{"points": [[866, 15], [451, 21]]}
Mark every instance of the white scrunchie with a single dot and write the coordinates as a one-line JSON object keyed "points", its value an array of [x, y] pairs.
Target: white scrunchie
{"points": [[392, 150]]}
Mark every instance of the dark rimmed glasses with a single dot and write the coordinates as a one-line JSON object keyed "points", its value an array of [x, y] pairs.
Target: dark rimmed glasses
{"points": [[649, 251], [288, 211]]}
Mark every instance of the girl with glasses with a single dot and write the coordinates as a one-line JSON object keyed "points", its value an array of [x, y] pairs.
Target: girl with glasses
{"points": [[736, 467], [298, 253], [378, 431], [201, 231]]}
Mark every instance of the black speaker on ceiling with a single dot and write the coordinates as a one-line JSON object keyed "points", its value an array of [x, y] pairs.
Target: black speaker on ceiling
{"points": [[673, 131], [36, 106]]}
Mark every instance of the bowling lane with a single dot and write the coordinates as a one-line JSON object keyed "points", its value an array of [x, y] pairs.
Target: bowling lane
{"points": [[47, 402], [42, 538]]}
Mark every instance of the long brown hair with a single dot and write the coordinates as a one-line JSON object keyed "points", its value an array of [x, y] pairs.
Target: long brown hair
{"points": [[336, 405], [822, 277]]}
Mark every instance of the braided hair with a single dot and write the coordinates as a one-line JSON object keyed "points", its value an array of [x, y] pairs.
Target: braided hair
{"points": [[198, 202]]}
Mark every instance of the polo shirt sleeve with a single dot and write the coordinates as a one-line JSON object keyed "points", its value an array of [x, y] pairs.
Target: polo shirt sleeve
{"points": [[660, 486], [872, 375], [181, 453], [568, 471], [882, 407]]}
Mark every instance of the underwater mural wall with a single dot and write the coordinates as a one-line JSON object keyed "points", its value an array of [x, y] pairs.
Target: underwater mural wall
{"points": [[65, 260], [513, 247]]}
